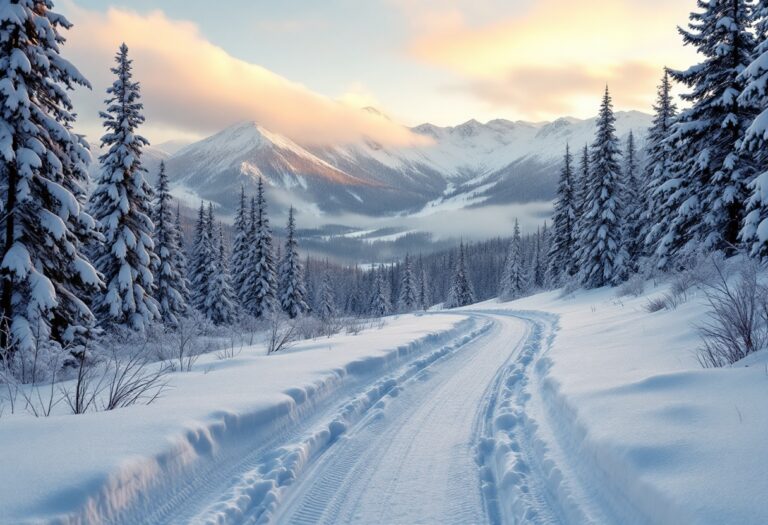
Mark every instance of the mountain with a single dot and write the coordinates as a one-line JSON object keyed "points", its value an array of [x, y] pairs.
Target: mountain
{"points": [[469, 165]]}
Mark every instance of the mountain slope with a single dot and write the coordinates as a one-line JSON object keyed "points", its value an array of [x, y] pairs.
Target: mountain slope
{"points": [[472, 164]]}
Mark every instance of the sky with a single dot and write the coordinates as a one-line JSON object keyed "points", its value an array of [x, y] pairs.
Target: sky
{"points": [[306, 68]]}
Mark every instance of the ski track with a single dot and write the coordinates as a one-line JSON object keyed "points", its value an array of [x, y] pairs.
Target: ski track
{"points": [[471, 430]]}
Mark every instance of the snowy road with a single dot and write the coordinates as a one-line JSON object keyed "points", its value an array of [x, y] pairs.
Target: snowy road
{"points": [[410, 448], [414, 462]]}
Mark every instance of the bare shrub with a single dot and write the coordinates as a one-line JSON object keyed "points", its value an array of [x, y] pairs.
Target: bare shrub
{"points": [[131, 381], [234, 346], [182, 346], [281, 333], [634, 287], [87, 387], [737, 322]]}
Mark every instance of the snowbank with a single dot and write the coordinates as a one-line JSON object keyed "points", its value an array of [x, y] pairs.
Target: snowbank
{"points": [[609, 406], [103, 466]]}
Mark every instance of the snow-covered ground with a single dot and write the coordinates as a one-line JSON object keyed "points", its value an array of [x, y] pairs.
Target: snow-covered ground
{"points": [[114, 466], [583, 409], [616, 421]]}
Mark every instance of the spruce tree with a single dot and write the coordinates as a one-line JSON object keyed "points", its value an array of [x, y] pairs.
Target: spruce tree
{"points": [[461, 293], [425, 298], [220, 305], [170, 285], [121, 205], [409, 300], [326, 308], [380, 305], [659, 154], [707, 193], [181, 257], [755, 144], [45, 276], [601, 256], [563, 246], [290, 281], [241, 249], [514, 280], [260, 284], [202, 255], [633, 207]]}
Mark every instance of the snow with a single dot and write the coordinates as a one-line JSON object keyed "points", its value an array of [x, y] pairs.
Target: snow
{"points": [[577, 409], [100, 464], [624, 423]]}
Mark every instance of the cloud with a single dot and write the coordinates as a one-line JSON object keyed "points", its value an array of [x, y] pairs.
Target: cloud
{"points": [[541, 91], [191, 86], [543, 58]]}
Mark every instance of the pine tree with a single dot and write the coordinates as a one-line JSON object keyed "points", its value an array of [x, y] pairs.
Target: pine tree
{"points": [[580, 193], [659, 154], [45, 276], [170, 285], [326, 308], [380, 305], [707, 193], [181, 257], [220, 305], [514, 280], [261, 284], [121, 205], [601, 256], [562, 250], [240, 250], [409, 300], [290, 282], [461, 293], [633, 208], [202, 255], [755, 144], [425, 298]]}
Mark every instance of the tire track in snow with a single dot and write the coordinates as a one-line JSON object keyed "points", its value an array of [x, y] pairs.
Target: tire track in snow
{"points": [[256, 493], [415, 461]]}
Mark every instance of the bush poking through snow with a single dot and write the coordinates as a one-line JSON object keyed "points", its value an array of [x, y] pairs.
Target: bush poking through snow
{"points": [[737, 323], [635, 287], [656, 304], [281, 333]]}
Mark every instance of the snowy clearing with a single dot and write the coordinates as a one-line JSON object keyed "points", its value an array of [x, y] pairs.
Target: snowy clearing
{"points": [[584, 409]]}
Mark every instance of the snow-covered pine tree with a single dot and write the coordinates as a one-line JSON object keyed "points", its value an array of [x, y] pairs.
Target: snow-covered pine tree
{"points": [[563, 244], [409, 299], [705, 206], [181, 255], [202, 255], [514, 279], [633, 207], [425, 297], [220, 306], [45, 276], [326, 308], [755, 144], [261, 283], [170, 285], [580, 191], [120, 203], [291, 290], [380, 305], [659, 154], [461, 293], [601, 255], [241, 249]]}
